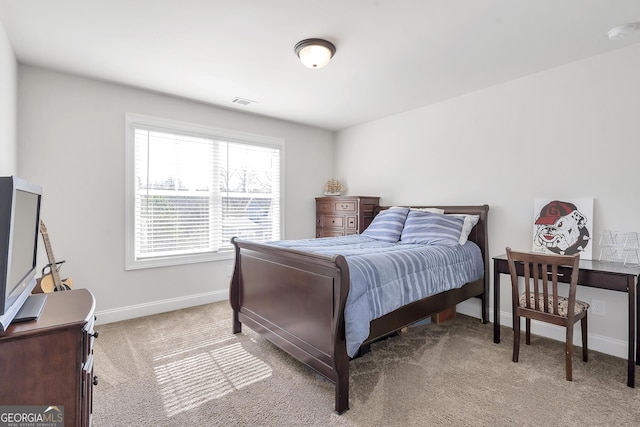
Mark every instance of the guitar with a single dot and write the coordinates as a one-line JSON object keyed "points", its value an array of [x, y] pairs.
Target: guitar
{"points": [[51, 282]]}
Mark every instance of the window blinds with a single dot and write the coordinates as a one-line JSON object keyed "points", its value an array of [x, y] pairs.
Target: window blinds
{"points": [[193, 193]]}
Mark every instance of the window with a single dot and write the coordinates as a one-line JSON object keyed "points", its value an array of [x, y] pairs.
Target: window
{"points": [[190, 189]]}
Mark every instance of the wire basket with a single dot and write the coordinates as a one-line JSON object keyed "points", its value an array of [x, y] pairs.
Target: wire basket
{"points": [[620, 246]]}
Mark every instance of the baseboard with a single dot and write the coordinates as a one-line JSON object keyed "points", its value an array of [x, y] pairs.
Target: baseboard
{"points": [[162, 306], [601, 343]]}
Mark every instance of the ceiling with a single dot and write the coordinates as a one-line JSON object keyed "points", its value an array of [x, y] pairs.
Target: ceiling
{"points": [[392, 55]]}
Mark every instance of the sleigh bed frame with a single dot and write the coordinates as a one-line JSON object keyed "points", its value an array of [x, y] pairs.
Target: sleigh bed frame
{"points": [[296, 300]]}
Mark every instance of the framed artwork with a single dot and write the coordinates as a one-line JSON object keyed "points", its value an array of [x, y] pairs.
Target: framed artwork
{"points": [[563, 227]]}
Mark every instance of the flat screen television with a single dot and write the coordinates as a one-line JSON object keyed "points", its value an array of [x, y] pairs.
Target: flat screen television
{"points": [[19, 226]]}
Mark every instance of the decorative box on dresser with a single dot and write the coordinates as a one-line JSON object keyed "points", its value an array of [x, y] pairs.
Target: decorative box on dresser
{"points": [[49, 361], [343, 215]]}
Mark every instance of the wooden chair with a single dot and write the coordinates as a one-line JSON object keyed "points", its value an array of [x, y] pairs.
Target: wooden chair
{"points": [[540, 299]]}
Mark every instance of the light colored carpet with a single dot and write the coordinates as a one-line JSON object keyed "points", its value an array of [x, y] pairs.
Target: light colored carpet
{"points": [[186, 368]]}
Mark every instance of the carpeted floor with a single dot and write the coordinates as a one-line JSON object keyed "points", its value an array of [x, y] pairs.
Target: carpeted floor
{"points": [[186, 368]]}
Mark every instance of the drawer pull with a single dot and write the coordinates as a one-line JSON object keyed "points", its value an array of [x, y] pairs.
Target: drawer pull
{"points": [[95, 334]]}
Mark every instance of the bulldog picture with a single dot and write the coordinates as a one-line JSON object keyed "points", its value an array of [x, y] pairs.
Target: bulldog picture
{"points": [[561, 228]]}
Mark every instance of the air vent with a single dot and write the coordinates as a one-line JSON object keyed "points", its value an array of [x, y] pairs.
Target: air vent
{"points": [[243, 101]]}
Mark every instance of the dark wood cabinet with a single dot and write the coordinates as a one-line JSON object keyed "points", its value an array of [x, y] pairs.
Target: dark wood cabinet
{"points": [[49, 361], [344, 215]]}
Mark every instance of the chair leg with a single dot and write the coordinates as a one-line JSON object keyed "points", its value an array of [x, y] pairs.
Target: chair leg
{"points": [[528, 330], [516, 338], [569, 352], [585, 346]]}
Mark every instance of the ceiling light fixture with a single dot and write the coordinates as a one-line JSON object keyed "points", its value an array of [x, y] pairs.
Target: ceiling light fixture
{"points": [[315, 53], [622, 31]]}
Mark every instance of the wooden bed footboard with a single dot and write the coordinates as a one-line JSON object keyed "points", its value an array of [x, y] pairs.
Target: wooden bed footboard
{"points": [[296, 300]]}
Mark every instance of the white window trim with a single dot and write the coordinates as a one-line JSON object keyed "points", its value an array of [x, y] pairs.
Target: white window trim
{"points": [[168, 125]]}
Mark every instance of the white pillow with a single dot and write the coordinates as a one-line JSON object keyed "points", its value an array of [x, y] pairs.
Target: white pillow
{"points": [[470, 221]]}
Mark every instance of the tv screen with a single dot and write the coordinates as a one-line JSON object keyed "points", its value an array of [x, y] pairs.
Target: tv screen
{"points": [[19, 225]]}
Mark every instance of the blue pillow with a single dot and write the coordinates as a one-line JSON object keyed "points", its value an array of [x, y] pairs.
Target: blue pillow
{"points": [[387, 225], [426, 228]]}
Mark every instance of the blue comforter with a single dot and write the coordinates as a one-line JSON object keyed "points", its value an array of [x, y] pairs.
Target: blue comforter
{"points": [[385, 276]]}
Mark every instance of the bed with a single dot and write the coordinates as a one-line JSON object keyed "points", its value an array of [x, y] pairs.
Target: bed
{"points": [[297, 298]]}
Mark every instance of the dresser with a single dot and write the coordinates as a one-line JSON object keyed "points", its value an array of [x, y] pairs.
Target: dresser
{"points": [[49, 361], [344, 215]]}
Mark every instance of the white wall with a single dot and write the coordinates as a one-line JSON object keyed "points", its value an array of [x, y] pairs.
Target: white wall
{"points": [[71, 140], [8, 83], [569, 132]]}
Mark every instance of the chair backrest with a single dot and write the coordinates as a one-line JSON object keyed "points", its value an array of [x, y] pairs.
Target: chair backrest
{"points": [[541, 280]]}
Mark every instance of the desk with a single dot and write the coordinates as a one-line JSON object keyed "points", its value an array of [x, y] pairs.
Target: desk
{"points": [[594, 274]]}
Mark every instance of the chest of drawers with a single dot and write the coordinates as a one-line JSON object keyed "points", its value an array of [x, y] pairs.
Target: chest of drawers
{"points": [[344, 215], [49, 361]]}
